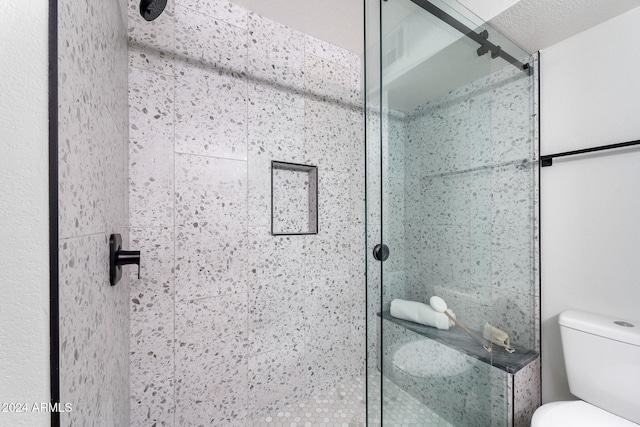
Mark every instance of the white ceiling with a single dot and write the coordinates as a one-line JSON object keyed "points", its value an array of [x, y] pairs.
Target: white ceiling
{"points": [[487, 9], [533, 24]]}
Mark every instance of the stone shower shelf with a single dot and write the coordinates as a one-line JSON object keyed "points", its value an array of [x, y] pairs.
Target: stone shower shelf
{"points": [[457, 339]]}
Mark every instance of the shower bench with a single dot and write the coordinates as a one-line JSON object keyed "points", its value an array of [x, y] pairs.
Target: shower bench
{"points": [[461, 397]]}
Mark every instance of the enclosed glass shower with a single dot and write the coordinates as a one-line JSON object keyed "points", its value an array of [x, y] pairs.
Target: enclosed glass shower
{"points": [[451, 161]]}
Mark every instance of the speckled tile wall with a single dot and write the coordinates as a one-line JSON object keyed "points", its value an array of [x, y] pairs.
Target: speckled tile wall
{"points": [[527, 396], [373, 232], [93, 203], [469, 203], [386, 134], [230, 323], [462, 199]]}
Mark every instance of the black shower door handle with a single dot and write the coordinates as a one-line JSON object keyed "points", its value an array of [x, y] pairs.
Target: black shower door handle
{"points": [[381, 252]]}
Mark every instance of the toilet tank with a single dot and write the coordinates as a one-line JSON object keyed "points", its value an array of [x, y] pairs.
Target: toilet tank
{"points": [[602, 357]]}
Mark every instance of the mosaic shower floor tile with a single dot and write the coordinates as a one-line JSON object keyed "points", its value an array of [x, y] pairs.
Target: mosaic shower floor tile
{"points": [[344, 406]]}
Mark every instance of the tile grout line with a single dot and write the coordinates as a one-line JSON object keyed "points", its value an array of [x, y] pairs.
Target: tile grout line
{"points": [[246, 231], [173, 249]]}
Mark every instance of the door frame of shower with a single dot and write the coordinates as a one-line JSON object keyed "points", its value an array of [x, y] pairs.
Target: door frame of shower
{"points": [[535, 72], [54, 279]]}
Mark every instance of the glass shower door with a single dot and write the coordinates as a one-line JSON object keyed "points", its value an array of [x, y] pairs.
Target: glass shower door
{"points": [[435, 149]]}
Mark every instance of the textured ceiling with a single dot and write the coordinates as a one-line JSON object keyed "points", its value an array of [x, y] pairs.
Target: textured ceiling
{"points": [[487, 9], [537, 24]]}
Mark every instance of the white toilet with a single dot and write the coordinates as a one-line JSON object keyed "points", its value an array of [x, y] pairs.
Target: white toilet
{"points": [[602, 357]]}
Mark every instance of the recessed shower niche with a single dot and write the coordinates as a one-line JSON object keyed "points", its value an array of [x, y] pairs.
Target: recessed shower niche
{"points": [[294, 199]]}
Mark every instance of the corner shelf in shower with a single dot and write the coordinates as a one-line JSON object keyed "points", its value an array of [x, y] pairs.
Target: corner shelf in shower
{"points": [[457, 339]]}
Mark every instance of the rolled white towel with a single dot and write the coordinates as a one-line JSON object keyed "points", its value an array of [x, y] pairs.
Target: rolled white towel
{"points": [[420, 313]]}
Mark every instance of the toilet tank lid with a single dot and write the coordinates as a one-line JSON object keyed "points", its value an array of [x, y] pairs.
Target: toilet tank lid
{"points": [[626, 331]]}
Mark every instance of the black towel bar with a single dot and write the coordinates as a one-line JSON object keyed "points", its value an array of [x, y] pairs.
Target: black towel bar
{"points": [[548, 160]]}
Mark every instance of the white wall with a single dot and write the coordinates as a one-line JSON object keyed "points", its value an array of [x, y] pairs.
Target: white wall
{"points": [[590, 206], [24, 275]]}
